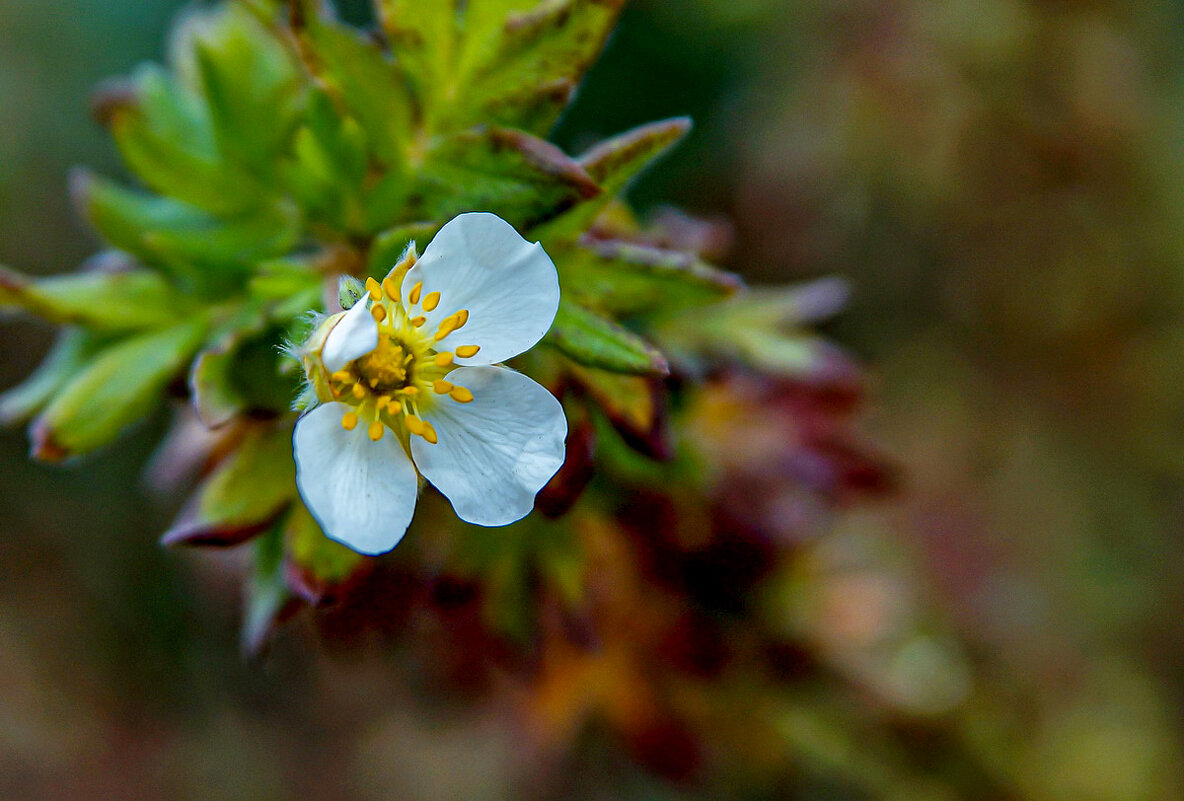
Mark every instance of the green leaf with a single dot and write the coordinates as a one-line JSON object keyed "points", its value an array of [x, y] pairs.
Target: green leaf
{"points": [[519, 177], [613, 164], [367, 82], [525, 77], [251, 83], [245, 494], [185, 242], [66, 358], [328, 166], [589, 339], [120, 386], [166, 136], [624, 279], [423, 36], [114, 301]]}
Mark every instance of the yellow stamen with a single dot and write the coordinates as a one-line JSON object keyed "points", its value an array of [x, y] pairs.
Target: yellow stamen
{"points": [[359, 391], [467, 351], [461, 395], [429, 433], [373, 383], [349, 421], [431, 301], [462, 317], [377, 429], [442, 387], [418, 321], [340, 375], [374, 289], [383, 402], [443, 359], [409, 391], [415, 290], [378, 313], [394, 407], [390, 288], [446, 328], [415, 425]]}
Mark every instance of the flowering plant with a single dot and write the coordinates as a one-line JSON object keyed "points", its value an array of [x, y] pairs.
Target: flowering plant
{"points": [[266, 275]]}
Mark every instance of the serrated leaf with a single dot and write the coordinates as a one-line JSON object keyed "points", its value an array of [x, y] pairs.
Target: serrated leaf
{"points": [[613, 164], [589, 339], [626, 279], [329, 164], [423, 36], [117, 388], [367, 82], [165, 134], [515, 175], [183, 241], [526, 76], [65, 359], [115, 301], [245, 494], [251, 84]]}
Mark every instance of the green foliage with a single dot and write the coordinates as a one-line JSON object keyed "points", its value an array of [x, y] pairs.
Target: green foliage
{"points": [[282, 149]]}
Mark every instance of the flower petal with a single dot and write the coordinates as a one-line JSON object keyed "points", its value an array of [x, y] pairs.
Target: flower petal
{"points": [[496, 452], [355, 335], [510, 288], [362, 493]]}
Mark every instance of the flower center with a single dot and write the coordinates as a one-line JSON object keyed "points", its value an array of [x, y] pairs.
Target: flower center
{"points": [[402, 375]]}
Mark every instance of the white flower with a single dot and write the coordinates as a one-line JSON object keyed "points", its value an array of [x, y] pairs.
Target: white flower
{"points": [[410, 383]]}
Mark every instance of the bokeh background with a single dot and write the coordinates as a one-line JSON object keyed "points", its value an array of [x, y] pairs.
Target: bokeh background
{"points": [[1001, 182]]}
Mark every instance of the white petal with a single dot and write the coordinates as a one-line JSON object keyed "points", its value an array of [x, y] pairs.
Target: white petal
{"points": [[361, 492], [510, 287], [355, 335], [496, 452]]}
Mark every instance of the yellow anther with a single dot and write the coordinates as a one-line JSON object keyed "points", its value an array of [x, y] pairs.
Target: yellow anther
{"points": [[340, 375], [415, 425], [378, 313], [442, 387], [418, 321], [467, 351], [446, 328], [373, 382], [349, 421], [374, 289], [431, 301], [408, 391], [462, 317], [443, 359], [461, 395], [415, 290], [359, 391], [383, 402], [390, 288], [429, 433], [394, 407], [377, 429]]}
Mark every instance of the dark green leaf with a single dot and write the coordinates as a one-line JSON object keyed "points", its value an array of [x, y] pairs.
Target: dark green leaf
{"points": [[521, 178], [626, 279], [613, 164], [595, 341]]}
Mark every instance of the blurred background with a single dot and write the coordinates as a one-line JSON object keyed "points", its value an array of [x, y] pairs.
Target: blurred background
{"points": [[1002, 184]]}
